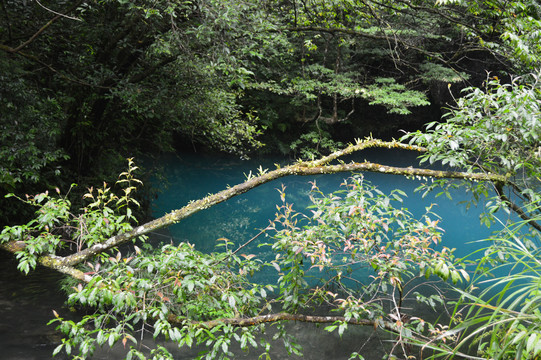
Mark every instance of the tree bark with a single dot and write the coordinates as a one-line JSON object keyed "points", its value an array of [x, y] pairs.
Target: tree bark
{"points": [[252, 321]]}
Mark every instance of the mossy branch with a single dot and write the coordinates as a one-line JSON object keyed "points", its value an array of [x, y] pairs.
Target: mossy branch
{"points": [[316, 167], [304, 168]]}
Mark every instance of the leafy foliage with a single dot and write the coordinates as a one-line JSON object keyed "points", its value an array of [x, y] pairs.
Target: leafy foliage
{"points": [[349, 234], [497, 130], [356, 253], [55, 227], [313, 144], [94, 81], [165, 293], [31, 124], [191, 73], [502, 320]]}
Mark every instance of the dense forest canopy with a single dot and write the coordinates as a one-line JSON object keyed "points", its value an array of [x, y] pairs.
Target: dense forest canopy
{"points": [[87, 84], [110, 78]]}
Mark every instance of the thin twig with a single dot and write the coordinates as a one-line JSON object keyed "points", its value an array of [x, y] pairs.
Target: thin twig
{"points": [[243, 245], [57, 13]]}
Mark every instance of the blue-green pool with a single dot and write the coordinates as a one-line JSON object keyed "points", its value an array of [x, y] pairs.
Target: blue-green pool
{"points": [[192, 176]]}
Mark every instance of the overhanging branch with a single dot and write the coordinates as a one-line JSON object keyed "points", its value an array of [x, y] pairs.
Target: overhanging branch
{"points": [[316, 167]]}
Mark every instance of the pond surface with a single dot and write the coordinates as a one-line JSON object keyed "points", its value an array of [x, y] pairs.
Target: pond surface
{"points": [[192, 176], [26, 302]]}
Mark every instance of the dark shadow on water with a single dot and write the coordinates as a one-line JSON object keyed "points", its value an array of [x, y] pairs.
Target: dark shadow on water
{"points": [[26, 304]]}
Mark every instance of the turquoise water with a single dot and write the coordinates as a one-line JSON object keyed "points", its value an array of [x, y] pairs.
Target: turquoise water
{"points": [[192, 176]]}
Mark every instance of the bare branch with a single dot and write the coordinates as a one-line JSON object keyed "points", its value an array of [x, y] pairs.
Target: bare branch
{"points": [[57, 13], [44, 27]]}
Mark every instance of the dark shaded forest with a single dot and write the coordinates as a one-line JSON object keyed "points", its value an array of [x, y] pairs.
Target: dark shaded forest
{"points": [[87, 84]]}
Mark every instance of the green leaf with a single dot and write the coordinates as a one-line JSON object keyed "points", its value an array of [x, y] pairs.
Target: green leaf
{"points": [[532, 341], [58, 349]]}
